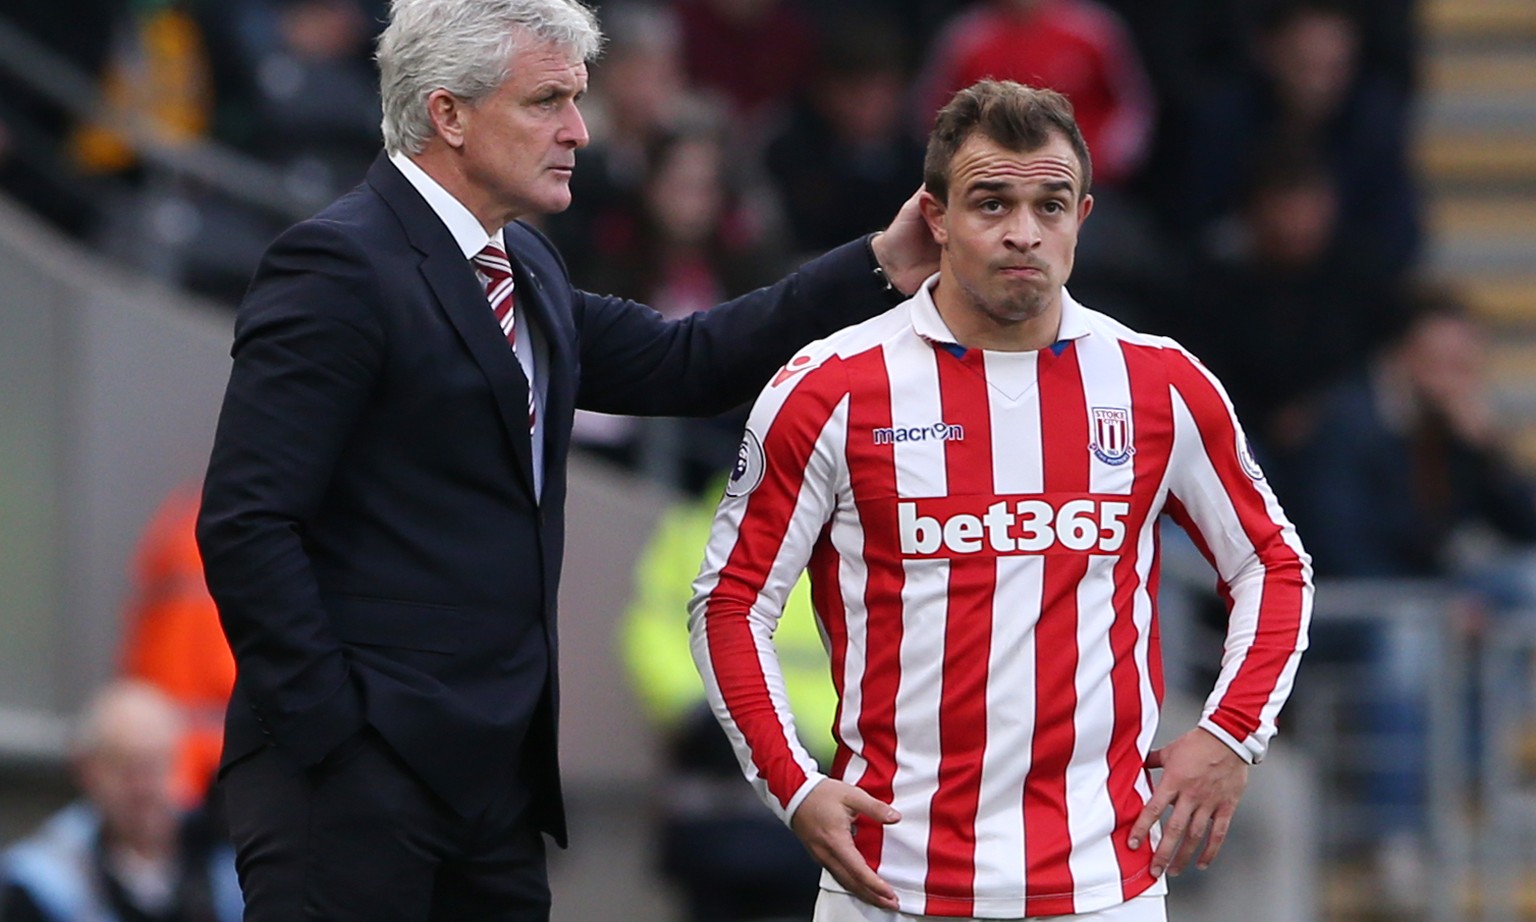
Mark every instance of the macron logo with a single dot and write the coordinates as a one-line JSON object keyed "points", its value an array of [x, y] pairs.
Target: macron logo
{"points": [[939, 432]]}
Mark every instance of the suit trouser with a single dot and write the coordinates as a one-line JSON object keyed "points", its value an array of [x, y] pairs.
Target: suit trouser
{"points": [[359, 837]]}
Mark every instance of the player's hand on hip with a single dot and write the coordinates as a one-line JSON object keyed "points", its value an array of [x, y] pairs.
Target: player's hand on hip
{"points": [[824, 823], [1203, 779]]}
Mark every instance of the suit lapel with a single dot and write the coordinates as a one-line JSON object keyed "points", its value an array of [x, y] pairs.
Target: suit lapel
{"points": [[464, 302], [460, 296]]}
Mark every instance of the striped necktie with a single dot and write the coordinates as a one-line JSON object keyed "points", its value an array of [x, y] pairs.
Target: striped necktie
{"points": [[493, 264]]}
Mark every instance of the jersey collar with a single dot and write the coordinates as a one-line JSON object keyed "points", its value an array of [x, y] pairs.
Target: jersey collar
{"points": [[928, 324]]}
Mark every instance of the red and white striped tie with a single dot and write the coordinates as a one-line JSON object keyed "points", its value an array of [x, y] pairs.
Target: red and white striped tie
{"points": [[493, 264]]}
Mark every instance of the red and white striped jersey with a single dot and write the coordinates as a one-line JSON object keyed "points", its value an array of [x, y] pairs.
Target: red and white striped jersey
{"points": [[980, 528]]}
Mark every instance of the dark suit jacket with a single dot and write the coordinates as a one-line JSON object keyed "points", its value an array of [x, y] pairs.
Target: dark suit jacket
{"points": [[369, 524]]}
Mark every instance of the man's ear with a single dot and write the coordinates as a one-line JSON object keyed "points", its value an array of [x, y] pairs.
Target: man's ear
{"points": [[1085, 209], [449, 116], [934, 213]]}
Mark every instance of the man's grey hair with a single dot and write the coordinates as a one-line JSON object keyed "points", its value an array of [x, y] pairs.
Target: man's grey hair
{"points": [[466, 48]]}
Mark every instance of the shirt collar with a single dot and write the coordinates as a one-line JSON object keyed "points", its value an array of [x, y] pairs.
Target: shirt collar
{"points": [[461, 223], [930, 325]]}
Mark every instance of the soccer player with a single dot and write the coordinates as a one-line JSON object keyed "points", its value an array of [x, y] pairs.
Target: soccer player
{"points": [[974, 480]]}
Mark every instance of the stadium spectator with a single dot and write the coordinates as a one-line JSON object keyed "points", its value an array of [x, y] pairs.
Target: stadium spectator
{"points": [[1404, 475], [294, 88], [1190, 48], [1307, 83], [1406, 455], [686, 243], [845, 157], [157, 75], [1078, 48], [172, 639], [299, 90], [125, 851], [992, 632], [1293, 306], [1193, 48], [730, 858]]}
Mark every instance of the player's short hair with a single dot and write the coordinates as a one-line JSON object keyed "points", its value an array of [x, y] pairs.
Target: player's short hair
{"points": [[1018, 117], [466, 47]]}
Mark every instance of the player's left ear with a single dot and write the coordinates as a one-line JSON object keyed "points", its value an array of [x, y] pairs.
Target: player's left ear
{"points": [[935, 213], [1084, 209]]}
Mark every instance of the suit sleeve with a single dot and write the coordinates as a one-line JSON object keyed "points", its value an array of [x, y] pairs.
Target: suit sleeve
{"points": [[307, 354], [1220, 497], [779, 500], [634, 362]]}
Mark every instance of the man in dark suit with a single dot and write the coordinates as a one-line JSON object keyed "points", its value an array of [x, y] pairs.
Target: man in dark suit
{"points": [[382, 519]]}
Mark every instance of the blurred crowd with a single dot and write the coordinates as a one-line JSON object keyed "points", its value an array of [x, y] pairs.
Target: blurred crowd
{"points": [[1255, 200], [1255, 197]]}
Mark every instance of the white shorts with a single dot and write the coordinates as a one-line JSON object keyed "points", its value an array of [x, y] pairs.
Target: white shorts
{"points": [[833, 906]]}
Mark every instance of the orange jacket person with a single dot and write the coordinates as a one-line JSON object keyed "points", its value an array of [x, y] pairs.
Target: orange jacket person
{"points": [[172, 637]]}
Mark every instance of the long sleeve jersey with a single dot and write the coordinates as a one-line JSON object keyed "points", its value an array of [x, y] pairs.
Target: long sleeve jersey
{"points": [[980, 529]]}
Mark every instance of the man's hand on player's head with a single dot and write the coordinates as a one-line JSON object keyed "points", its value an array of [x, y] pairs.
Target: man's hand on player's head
{"points": [[906, 250], [1203, 779], [824, 823]]}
